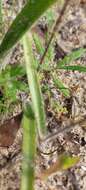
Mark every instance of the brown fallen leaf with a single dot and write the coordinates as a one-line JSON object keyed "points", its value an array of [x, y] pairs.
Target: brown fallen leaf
{"points": [[9, 130]]}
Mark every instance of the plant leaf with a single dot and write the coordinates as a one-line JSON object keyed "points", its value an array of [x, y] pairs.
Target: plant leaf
{"points": [[59, 84], [9, 130], [67, 162], [73, 68], [38, 44], [24, 21], [72, 57], [17, 70]]}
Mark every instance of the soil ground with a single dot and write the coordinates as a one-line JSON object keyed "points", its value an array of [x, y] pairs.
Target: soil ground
{"points": [[71, 35]]}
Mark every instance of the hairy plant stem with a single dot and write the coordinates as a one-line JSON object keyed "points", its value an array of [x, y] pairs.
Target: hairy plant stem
{"points": [[29, 151], [34, 86], [68, 127]]}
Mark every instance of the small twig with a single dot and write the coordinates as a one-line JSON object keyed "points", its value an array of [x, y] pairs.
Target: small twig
{"points": [[57, 23], [47, 153], [67, 128]]}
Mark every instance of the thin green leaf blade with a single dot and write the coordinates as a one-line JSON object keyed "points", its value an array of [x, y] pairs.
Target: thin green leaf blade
{"points": [[72, 57], [73, 68], [38, 44], [25, 19]]}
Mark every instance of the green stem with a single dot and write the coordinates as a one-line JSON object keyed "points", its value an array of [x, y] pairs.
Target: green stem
{"points": [[34, 86], [29, 151]]}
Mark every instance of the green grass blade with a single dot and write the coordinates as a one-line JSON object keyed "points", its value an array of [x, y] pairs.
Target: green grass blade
{"points": [[72, 57], [38, 44], [25, 19], [41, 49], [29, 150], [34, 86], [73, 68]]}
